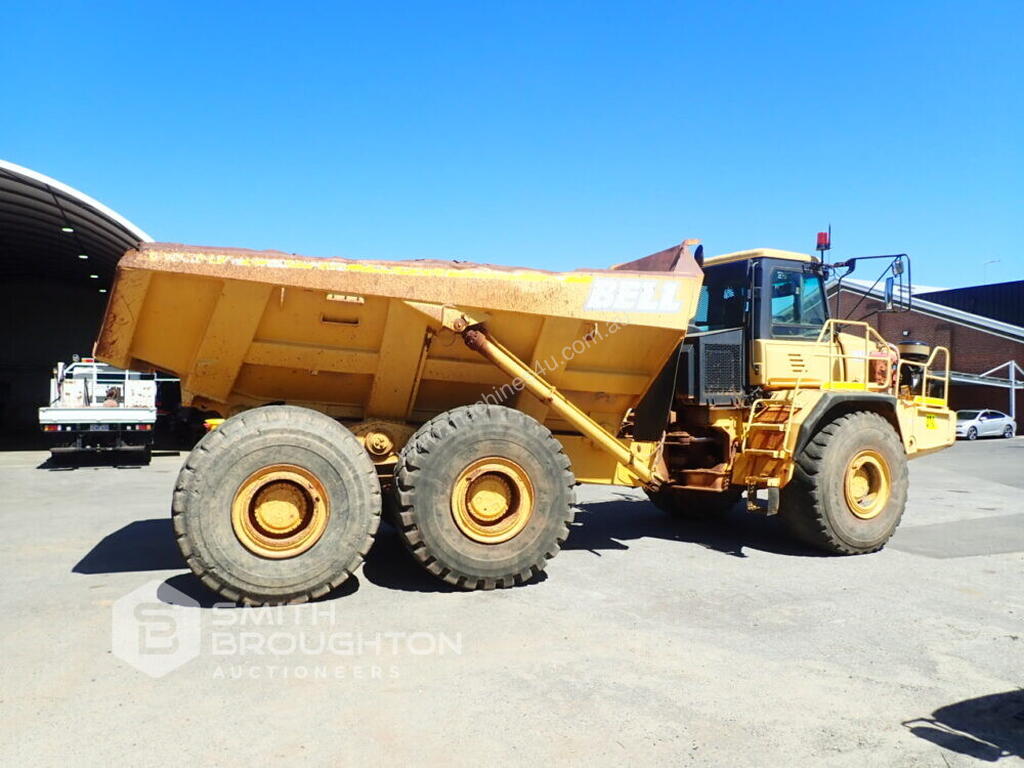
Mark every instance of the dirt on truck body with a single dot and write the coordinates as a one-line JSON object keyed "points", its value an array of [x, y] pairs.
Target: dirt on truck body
{"points": [[467, 400]]}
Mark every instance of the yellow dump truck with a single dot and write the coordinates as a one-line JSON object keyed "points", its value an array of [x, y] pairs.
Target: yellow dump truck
{"points": [[467, 401]]}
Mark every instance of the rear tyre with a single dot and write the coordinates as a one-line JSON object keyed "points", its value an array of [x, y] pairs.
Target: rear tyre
{"points": [[485, 495], [849, 486], [972, 433], [1008, 432], [694, 505], [277, 505]]}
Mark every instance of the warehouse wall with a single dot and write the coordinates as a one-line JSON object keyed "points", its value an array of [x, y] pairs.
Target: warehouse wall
{"points": [[44, 322], [966, 396]]}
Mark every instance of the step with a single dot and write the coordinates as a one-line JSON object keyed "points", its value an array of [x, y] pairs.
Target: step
{"points": [[766, 406], [775, 454]]}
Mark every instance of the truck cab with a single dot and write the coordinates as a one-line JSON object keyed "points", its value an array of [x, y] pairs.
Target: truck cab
{"points": [[758, 315], [764, 370]]}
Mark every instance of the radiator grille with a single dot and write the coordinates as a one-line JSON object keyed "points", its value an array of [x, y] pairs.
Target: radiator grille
{"points": [[723, 372]]}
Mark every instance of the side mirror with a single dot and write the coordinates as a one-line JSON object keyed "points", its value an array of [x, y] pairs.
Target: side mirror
{"points": [[890, 290]]}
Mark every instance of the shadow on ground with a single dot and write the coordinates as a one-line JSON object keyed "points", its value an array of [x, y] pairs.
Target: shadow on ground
{"points": [[90, 459], [145, 545], [149, 545], [606, 525], [389, 565], [191, 587], [986, 728]]}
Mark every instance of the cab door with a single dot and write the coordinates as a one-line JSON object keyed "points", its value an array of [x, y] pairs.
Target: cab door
{"points": [[789, 315]]}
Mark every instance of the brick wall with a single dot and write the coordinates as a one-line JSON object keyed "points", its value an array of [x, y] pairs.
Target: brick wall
{"points": [[966, 396]]}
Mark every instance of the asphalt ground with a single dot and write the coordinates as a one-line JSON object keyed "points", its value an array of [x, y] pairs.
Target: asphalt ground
{"points": [[650, 640]]}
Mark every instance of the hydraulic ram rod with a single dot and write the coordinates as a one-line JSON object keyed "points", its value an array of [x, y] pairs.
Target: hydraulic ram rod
{"points": [[476, 338]]}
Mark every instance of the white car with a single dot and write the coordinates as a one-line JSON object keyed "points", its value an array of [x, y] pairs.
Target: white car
{"points": [[975, 424]]}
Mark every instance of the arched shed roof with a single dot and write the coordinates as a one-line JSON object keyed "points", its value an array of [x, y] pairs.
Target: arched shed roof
{"points": [[52, 231]]}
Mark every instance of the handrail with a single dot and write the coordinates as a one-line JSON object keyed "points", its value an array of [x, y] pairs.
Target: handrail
{"points": [[926, 376], [866, 356], [873, 342]]}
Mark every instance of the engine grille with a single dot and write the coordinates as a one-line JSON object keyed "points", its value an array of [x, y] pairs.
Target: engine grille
{"points": [[723, 368]]}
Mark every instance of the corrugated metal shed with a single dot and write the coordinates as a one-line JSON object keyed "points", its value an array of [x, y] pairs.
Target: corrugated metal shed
{"points": [[1000, 301], [924, 304]]}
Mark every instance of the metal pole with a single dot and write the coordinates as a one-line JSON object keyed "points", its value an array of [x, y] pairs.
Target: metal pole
{"points": [[1013, 391], [478, 340]]}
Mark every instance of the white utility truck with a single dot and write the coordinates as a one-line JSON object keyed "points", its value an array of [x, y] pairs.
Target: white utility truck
{"points": [[96, 407]]}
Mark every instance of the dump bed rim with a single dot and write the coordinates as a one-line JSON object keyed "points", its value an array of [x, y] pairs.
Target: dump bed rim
{"points": [[684, 269]]}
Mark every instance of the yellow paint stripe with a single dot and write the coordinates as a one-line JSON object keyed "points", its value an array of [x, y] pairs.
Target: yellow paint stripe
{"points": [[854, 385]]}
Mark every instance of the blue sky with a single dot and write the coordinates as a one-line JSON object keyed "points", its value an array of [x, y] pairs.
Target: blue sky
{"points": [[557, 135]]}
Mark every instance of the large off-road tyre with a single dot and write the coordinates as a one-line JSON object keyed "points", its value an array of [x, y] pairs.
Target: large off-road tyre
{"points": [[694, 505], [485, 495], [849, 486], [277, 505]]}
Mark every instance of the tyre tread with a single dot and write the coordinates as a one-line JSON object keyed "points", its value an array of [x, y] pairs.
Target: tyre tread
{"points": [[188, 481], [803, 507], [431, 436]]}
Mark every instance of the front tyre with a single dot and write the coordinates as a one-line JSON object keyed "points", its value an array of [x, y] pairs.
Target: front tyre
{"points": [[972, 433], [277, 505], [485, 496], [849, 486]]}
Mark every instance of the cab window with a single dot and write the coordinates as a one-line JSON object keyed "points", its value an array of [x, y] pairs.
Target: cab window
{"points": [[797, 304], [723, 297]]}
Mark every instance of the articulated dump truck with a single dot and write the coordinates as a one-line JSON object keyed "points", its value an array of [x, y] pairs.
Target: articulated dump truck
{"points": [[465, 402]]}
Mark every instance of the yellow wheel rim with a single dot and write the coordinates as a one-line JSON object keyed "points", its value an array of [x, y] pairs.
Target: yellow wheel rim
{"points": [[868, 484], [280, 511], [493, 500]]}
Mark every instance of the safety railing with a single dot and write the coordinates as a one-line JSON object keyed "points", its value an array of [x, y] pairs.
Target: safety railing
{"points": [[924, 385], [876, 352]]}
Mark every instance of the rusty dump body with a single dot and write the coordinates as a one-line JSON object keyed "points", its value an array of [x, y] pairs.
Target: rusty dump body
{"points": [[585, 376], [375, 341]]}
